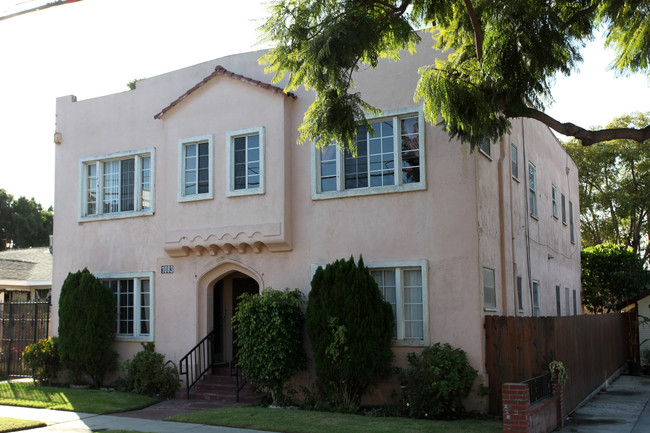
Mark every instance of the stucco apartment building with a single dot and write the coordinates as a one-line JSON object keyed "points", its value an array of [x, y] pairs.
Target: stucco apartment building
{"points": [[191, 189]]}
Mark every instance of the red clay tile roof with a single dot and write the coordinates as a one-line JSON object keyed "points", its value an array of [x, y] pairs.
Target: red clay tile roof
{"points": [[220, 70]]}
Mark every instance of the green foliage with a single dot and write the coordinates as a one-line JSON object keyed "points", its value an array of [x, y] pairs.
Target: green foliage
{"points": [[86, 320], [350, 327], [148, 374], [611, 276], [504, 56], [558, 372], [269, 331], [23, 222], [436, 381], [42, 358], [614, 188]]}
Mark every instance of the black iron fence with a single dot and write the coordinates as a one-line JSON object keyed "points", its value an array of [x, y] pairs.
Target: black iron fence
{"points": [[21, 324], [540, 387]]}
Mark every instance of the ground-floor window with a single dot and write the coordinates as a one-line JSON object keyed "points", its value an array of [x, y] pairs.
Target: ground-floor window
{"points": [[134, 301], [404, 286]]}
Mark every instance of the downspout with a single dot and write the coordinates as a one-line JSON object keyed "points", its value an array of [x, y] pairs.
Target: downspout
{"points": [[502, 227], [526, 217]]}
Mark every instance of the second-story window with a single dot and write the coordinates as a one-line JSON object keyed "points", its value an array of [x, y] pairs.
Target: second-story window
{"points": [[245, 166], [532, 189], [195, 168], [554, 200], [117, 185], [389, 158]]}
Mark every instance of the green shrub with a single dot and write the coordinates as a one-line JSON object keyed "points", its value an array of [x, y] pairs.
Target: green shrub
{"points": [[87, 316], [42, 358], [350, 327], [149, 374], [436, 381], [269, 331]]}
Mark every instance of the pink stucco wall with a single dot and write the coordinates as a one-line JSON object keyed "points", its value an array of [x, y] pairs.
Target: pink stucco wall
{"points": [[471, 213]]}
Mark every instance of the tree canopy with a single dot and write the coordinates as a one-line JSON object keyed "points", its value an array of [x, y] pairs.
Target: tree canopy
{"points": [[23, 222], [612, 275], [615, 189], [503, 57]]}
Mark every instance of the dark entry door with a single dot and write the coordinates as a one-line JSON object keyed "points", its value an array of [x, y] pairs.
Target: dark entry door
{"points": [[239, 287], [218, 324]]}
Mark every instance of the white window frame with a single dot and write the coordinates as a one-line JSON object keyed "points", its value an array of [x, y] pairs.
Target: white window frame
{"points": [[563, 203], [230, 165], [554, 200], [137, 277], [558, 299], [520, 296], [537, 310], [532, 190], [487, 279], [567, 299], [486, 148], [514, 161], [340, 192], [571, 225], [98, 161], [182, 144], [399, 267]]}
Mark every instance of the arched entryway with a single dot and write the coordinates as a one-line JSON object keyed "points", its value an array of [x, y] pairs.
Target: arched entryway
{"points": [[224, 296]]}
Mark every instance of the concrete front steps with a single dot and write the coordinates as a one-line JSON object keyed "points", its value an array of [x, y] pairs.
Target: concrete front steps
{"points": [[221, 386]]}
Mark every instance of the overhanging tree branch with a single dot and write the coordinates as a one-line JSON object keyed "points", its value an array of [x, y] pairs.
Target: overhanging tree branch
{"points": [[588, 137], [478, 33]]}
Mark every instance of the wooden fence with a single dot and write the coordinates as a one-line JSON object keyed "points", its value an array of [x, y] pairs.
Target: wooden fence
{"points": [[592, 348]]}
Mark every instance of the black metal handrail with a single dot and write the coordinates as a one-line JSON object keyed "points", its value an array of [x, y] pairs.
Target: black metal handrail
{"points": [[197, 362], [235, 370], [540, 387]]}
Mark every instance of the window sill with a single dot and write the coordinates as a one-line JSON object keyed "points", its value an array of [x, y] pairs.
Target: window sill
{"points": [[487, 155], [115, 216], [516, 179], [409, 343], [127, 339], [197, 197], [245, 192], [533, 216], [375, 190], [490, 310]]}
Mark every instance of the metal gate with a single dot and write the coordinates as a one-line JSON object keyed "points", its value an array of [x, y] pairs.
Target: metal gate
{"points": [[21, 324]]}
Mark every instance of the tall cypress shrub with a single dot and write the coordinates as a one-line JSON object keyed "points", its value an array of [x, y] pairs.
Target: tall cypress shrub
{"points": [[86, 318], [350, 327]]}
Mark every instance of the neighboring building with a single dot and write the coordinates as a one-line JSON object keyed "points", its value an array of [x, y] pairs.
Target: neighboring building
{"points": [[190, 189], [25, 275]]}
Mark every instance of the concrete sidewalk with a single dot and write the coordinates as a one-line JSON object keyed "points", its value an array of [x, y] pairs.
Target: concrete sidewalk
{"points": [[623, 407], [78, 422]]}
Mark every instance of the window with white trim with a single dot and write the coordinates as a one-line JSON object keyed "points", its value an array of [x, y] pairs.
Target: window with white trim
{"points": [[117, 185], [571, 229], [554, 200], [390, 158], [245, 167], [536, 303], [567, 301], [486, 148], [195, 156], [514, 156], [404, 286], [558, 301], [532, 189], [134, 301], [563, 203], [489, 290]]}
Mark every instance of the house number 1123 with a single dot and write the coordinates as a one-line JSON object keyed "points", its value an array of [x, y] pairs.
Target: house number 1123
{"points": [[167, 269]]}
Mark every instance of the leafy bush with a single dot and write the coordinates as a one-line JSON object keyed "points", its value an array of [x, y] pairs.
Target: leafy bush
{"points": [[268, 331], [86, 319], [350, 327], [42, 358], [149, 374], [436, 381]]}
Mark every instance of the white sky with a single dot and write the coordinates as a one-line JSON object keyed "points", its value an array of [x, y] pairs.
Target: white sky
{"points": [[95, 47]]}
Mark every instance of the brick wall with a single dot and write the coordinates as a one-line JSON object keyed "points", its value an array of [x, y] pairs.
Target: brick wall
{"points": [[520, 417]]}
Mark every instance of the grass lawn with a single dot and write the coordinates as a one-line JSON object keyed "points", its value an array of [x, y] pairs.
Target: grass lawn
{"points": [[301, 421], [77, 400], [13, 424]]}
